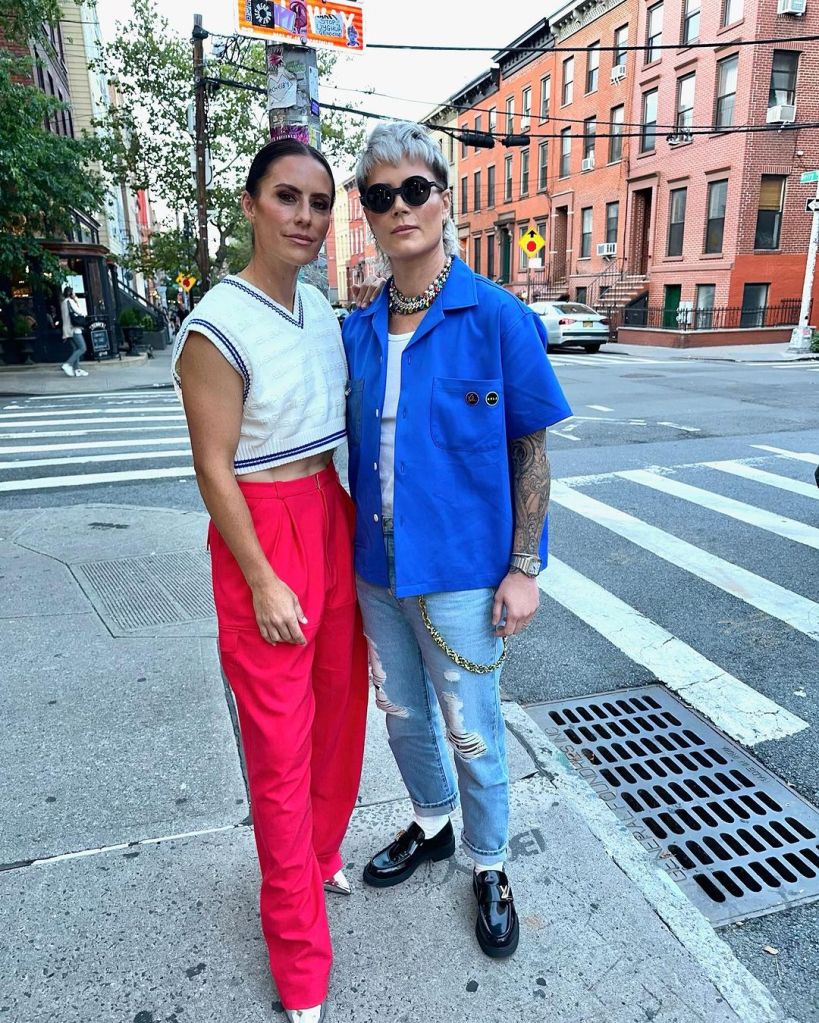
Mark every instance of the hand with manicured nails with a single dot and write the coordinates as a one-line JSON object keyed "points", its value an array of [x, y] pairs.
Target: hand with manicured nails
{"points": [[368, 291], [278, 612], [520, 596]]}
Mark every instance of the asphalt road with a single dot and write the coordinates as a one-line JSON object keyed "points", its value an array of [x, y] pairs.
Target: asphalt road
{"points": [[720, 561]]}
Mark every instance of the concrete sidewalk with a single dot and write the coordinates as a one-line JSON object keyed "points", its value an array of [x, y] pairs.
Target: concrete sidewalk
{"points": [[128, 879], [758, 354]]}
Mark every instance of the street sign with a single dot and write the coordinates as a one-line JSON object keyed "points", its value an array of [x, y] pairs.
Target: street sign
{"points": [[531, 242], [809, 176], [186, 282], [812, 205], [330, 25]]}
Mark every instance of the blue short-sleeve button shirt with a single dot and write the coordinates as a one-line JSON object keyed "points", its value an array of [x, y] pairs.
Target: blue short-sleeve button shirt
{"points": [[474, 377]]}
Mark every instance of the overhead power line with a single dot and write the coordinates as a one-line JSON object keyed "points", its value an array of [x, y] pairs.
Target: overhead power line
{"points": [[654, 129], [626, 48]]}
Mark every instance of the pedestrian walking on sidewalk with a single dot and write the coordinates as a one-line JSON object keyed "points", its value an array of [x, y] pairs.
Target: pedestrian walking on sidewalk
{"points": [[262, 374], [451, 393], [73, 323]]}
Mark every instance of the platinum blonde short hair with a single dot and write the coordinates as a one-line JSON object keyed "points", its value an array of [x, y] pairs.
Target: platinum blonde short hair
{"points": [[404, 140]]}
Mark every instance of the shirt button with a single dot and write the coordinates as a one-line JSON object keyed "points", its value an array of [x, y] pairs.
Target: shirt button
{"points": [[375, 517], [404, 414], [402, 467], [375, 466], [377, 413]]}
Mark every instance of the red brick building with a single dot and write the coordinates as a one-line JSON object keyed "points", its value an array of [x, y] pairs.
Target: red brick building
{"points": [[500, 191], [717, 218], [363, 259], [590, 147]]}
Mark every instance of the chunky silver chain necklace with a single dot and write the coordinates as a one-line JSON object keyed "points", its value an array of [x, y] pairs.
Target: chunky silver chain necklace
{"points": [[406, 305]]}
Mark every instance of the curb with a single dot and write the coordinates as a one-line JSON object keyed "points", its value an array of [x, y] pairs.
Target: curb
{"points": [[746, 995]]}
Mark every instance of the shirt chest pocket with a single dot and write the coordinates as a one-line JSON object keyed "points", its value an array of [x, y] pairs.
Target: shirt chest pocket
{"points": [[467, 414]]}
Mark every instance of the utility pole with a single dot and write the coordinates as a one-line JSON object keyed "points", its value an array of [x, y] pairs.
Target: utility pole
{"points": [[293, 110], [201, 149], [801, 335]]}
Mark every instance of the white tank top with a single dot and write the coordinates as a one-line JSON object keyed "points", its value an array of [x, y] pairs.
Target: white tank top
{"points": [[386, 458]]}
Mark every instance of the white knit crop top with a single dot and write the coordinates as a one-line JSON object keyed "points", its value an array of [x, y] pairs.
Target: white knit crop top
{"points": [[292, 364]]}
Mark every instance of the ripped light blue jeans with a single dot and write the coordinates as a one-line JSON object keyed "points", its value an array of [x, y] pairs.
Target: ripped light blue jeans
{"points": [[429, 702]]}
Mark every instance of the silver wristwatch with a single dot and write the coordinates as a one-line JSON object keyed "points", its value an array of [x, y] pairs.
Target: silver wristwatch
{"points": [[529, 564]]}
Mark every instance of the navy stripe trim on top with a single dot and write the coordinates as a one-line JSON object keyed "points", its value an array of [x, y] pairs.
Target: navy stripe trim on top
{"points": [[302, 449], [298, 322], [230, 347]]}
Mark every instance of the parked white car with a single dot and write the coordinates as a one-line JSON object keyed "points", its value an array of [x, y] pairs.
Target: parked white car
{"points": [[572, 325]]}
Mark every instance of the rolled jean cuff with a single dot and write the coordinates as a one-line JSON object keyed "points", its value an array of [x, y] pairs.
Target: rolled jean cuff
{"points": [[481, 856], [436, 809]]}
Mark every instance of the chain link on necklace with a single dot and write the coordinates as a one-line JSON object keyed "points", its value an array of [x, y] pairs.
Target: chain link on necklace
{"points": [[406, 305]]}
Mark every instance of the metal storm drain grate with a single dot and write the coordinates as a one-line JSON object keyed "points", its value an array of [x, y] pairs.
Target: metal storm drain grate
{"points": [[738, 841], [133, 594]]}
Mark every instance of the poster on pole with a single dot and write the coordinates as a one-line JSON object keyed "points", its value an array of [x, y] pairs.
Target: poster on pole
{"points": [[330, 25]]}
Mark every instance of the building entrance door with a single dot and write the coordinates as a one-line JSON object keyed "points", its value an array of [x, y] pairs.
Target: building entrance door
{"points": [[561, 244], [671, 304], [641, 231], [506, 255]]}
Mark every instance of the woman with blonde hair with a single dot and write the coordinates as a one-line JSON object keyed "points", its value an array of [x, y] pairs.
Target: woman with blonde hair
{"points": [[451, 393]]}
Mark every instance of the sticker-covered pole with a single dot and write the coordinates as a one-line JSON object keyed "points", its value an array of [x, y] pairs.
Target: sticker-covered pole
{"points": [[293, 109]]}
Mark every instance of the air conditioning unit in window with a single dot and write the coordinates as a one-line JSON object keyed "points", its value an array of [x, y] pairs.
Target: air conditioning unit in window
{"points": [[587, 164], [618, 72], [797, 7], [783, 113], [607, 249]]}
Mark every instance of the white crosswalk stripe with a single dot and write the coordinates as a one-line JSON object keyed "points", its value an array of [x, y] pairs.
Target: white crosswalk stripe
{"points": [[42, 440], [800, 532], [794, 610], [742, 709], [742, 712]]}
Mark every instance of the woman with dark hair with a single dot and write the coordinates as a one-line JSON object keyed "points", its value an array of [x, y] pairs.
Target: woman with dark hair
{"points": [[261, 371], [451, 393]]}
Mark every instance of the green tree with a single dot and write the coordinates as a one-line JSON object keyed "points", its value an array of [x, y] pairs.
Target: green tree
{"points": [[146, 140], [44, 177]]}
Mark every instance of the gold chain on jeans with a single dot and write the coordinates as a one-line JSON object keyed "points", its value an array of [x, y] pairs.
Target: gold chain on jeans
{"points": [[462, 662]]}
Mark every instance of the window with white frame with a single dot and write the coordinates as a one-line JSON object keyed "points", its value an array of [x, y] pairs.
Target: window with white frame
{"points": [[648, 132], [619, 56], [524, 172], [691, 22], [507, 178], [685, 102], [545, 97], [726, 91], [592, 67], [510, 115], [732, 11], [654, 33], [568, 81], [526, 111], [586, 232], [543, 166], [565, 152], [616, 134]]}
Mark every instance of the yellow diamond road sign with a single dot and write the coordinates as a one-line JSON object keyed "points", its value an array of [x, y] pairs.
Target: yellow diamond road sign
{"points": [[531, 242]]}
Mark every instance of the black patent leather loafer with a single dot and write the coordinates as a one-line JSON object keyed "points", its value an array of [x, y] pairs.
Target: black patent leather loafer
{"points": [[497, 928], [402, 857]]}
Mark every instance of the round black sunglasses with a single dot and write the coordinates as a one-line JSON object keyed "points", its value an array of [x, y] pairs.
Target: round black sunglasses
{"points": [[414, 191]]}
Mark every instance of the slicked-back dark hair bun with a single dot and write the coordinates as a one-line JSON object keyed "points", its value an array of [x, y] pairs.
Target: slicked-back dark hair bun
{"points": [[277, 150]]}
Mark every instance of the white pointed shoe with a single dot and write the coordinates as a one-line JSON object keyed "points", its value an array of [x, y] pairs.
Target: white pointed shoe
{"points": [[80, 372], [314, 1015], [339, 884], [68, 370]]}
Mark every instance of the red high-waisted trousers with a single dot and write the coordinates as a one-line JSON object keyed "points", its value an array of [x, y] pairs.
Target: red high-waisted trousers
{"points": [[302, 713]]}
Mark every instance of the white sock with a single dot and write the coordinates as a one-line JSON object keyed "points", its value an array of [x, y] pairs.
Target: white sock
{"points": [[481, 867], [431, 826]]}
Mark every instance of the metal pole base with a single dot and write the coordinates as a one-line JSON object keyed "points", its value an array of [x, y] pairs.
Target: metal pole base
{"points": [[800, 341]]}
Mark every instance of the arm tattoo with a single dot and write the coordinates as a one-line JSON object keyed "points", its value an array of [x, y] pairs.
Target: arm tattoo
{"points": [[532, 477]]}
